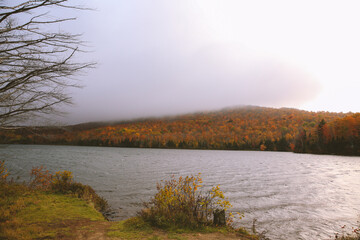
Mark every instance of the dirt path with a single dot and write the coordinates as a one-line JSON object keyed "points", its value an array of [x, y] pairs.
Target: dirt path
{"points": [[86, 230], [94, 230]]}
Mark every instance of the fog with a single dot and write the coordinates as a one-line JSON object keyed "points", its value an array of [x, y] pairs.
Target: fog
{"points": [[207, 80], [159, 58]]}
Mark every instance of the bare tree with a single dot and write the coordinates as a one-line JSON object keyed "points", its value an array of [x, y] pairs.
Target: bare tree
{"points": [[37, 65]]}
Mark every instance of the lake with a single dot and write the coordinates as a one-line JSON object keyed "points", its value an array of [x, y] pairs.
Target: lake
{"points": [[292, 196]]}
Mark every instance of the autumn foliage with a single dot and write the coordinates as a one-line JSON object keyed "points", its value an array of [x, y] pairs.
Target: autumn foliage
{"points": [[3, 172], [62, 181], [41, 178], [340, 136], [180, 202], [245, 128]]}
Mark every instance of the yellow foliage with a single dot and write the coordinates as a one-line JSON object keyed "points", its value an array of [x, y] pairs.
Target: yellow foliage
{"points": [[181, 202], [63, 177]]}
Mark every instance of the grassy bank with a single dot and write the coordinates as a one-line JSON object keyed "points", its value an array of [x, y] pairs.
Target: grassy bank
{"points": [[35, 214], [53, 206]]}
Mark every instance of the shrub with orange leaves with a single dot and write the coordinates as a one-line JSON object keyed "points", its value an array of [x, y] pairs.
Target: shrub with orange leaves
{"points": [[3, 172], [179, 202], [40, 178]]}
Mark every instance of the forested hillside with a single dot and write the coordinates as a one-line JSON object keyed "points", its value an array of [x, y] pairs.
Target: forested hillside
{"points": [[244, 128], [340, 136]]}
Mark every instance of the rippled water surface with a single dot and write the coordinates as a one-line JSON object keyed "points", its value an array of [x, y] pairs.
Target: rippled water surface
{"points": [[292, 196]]}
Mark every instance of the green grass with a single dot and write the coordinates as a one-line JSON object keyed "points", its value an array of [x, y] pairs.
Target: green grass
{"points": [[133, 228], [34, 214], [70, 210], [136, 228], [30, 214], [154, 238], [50, 207], [176, 236]]}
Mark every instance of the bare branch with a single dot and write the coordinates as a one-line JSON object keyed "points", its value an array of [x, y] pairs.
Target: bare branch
{"points": [[36, 66]]}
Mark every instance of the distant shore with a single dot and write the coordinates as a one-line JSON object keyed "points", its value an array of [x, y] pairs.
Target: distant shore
{"points": [[247, 128]]}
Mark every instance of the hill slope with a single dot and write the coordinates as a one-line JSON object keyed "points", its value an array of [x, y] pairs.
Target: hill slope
{"points": [[245, 128]]}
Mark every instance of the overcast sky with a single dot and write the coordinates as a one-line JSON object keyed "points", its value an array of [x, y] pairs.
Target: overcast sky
{"points": [[175, 56]]}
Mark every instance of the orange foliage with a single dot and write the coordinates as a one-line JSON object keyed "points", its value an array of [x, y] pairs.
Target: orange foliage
{"points": [[339, 136], [252, 128], [41, 178]]}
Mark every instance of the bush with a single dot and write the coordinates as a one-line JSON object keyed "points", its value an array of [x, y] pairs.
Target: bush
{"points": [[137, 224], [180, 203], [62, 181], [40, 178], [3, 172]]}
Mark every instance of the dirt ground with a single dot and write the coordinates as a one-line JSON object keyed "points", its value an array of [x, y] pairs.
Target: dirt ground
{"points": [[94, 230]]}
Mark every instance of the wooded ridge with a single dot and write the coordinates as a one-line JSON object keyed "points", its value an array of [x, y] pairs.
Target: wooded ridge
{"points": [[242, 128]]}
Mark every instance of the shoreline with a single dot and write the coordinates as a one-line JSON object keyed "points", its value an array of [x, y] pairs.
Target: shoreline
{"points": [[60, 216], [27, 213], [163, 148]]}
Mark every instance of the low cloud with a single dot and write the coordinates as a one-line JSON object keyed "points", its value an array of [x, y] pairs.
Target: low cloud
{"points": [[160, 83]]}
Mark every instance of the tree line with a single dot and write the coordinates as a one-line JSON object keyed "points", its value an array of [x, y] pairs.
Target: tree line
{"points": [[246, 128], [340, 136]]}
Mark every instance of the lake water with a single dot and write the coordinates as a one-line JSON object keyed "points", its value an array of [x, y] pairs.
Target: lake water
{"points": [[292, 196]]}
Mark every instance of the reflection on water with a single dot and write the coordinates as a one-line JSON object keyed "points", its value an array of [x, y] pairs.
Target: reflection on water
{"points": [[292, 196]]}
